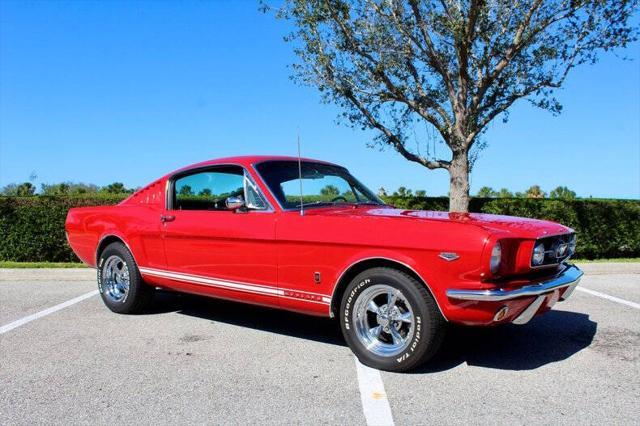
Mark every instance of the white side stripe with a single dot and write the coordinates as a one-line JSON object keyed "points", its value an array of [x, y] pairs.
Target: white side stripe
{"points": [[27, 319], [375, 404], [233, 285], [213, 282], [612, 298]]}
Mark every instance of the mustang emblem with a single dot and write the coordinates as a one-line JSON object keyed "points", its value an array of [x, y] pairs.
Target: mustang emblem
{"points": [[449, 256]]}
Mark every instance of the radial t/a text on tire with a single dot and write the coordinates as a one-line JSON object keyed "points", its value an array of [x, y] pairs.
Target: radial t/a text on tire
{"points": [[390, 320]]}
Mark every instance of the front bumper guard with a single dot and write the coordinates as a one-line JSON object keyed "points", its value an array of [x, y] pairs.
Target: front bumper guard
{"points": [[568, 278]]}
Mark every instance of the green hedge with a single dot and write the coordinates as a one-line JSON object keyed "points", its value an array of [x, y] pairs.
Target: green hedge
{"points": [[32, 228], [607, 229]]}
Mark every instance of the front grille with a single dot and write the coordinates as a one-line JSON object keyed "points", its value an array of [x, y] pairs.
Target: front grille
{"points": [[557, 248]]}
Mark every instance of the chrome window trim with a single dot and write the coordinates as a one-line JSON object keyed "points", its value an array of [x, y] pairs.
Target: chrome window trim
{"points": [[248, 182], [172, 178]]}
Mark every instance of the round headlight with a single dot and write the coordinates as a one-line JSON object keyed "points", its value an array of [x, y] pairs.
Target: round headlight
{"points": [[538, 255], [496, 256]]}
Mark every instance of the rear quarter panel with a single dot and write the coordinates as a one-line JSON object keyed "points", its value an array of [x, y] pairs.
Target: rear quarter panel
{"points": [[137, 225]]}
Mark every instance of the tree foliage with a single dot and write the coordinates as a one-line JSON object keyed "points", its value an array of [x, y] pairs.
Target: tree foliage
{"points": [[535, 192], [24, 189], [68, 188], [330, 191], [116, 188], [562, 192], [64, 188], [452, 66], [403, 192], [487, 192]]}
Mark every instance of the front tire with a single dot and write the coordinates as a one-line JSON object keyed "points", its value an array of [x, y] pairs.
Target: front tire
{"points": [[390, 320], [119, 281]]}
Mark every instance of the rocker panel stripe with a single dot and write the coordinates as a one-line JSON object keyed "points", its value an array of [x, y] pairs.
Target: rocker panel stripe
{"points": [[305, 296]]}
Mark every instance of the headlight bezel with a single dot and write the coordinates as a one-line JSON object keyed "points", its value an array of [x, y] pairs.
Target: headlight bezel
{"points": [[495, 261], [538, 254]]}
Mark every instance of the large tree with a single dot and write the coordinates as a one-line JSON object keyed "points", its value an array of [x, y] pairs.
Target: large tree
{"points": [[395, 65]]}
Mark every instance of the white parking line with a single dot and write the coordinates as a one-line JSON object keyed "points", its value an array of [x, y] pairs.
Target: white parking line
{"points": [[27, 319], [375, 404], [612, 298]]}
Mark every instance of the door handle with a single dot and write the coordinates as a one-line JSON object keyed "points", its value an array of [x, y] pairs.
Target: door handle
{"points": [[164, 218]]}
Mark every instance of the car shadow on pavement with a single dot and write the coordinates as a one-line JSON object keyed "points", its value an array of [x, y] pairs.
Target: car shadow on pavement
{"points": [[552, 337], [307, 327]]}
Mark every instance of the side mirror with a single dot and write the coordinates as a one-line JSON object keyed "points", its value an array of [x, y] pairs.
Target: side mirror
{"points": [[234, 203]]}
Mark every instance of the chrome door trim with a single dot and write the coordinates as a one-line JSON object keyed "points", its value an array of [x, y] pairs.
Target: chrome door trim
{"points": [[186, 172]]}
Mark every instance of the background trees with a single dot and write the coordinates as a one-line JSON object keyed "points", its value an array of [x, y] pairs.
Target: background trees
{"points": [[562, 192], [63, 189], [25, 189], [451, 65]]}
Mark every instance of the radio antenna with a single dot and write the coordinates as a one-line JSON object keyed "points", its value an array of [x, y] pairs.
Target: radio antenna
{"points": [[300, 177]]}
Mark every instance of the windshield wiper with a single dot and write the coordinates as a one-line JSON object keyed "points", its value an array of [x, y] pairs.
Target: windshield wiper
{"points": [[336, 203], [369, 203], [318, 203]]}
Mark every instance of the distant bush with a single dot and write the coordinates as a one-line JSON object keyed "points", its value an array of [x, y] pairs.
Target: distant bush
{"points": [[32, 228]]}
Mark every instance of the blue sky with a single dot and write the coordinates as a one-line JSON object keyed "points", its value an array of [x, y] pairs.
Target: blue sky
{"points": [[126, 91]]}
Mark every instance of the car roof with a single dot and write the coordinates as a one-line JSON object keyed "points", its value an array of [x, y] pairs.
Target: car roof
{"points": [[246, 161]]}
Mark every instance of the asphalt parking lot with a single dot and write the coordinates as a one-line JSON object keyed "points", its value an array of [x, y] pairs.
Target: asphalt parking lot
{"points": [[197, 360]]}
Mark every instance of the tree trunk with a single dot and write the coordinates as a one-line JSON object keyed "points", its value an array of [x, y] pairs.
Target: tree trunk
{"points": [[459, 183]]}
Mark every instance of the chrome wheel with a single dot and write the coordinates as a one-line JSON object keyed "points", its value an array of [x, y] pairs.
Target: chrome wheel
{"points": [[115, 278], [384, 320]]}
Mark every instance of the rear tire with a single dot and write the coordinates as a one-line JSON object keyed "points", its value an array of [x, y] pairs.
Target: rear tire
{"points": [[119, 281], [390, 320]]}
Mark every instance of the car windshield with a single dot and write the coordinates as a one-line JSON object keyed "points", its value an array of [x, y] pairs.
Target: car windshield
{"points": [[322, 185]]}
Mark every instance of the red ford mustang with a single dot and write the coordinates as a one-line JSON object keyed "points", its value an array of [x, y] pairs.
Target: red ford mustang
{"points": [[308, 237]]}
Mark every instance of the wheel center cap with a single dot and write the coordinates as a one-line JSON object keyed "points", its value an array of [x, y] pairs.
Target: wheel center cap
{"points": [[383, 320]]}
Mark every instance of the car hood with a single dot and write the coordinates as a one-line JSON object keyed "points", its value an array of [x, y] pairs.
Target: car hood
{"points": [[518, 226]]}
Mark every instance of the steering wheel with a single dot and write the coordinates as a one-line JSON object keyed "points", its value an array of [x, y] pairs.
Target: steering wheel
{"points": [[339, 197]]}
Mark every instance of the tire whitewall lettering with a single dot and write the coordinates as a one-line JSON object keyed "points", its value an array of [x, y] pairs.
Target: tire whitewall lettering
{"points": [[390, 320]]}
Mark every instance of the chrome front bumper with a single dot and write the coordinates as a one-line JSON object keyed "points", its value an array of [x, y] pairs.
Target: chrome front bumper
{"points": [[568, 278]]}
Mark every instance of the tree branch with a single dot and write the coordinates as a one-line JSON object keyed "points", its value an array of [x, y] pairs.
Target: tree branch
{"points": [[392, 138], [433, 55], [376, 71]]}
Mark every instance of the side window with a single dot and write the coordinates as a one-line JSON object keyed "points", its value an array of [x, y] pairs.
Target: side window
{"points": [[208, 190]]}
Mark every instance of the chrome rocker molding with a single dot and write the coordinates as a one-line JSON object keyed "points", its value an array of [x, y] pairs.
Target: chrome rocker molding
{"points": [[263, 290], [568, 278]]}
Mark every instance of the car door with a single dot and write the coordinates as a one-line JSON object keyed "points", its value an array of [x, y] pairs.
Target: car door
{"points": [[214, 250]]}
